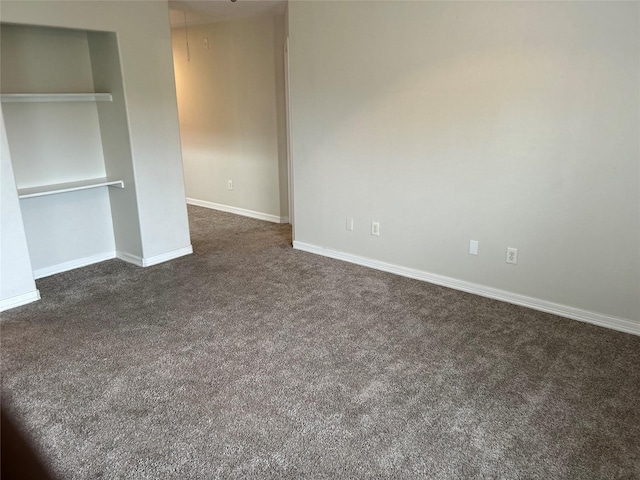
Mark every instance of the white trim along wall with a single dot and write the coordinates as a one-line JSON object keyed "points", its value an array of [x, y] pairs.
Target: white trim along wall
{"points": [[238, 211], [566, 311]]}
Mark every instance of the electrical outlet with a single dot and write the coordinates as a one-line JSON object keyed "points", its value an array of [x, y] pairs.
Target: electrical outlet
{"points": [[230, 184], [350, 224], [205, 43], [473, 247], [512, 255], [375, 228]]}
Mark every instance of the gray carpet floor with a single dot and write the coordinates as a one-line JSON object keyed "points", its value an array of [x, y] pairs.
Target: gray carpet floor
{"points": [[249, 359]]}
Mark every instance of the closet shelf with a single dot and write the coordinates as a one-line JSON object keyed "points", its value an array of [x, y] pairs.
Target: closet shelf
{"points": [[55, 97], [68, 187]]}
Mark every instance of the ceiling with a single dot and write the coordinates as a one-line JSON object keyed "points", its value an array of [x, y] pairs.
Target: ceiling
{"points": [[204, 11]]}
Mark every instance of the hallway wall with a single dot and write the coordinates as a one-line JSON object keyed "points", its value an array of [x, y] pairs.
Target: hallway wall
{"points": [[230, 86]]}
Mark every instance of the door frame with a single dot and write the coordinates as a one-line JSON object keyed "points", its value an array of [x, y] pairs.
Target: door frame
{"points": [[289, 152]]}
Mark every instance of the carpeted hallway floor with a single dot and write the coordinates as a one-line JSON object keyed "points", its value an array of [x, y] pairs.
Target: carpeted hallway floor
{"points": [[251, 360]]}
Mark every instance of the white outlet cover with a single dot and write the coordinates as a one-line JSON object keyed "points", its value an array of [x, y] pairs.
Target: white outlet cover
{"points": [[512, 255], [350, 224], [473, 247]]}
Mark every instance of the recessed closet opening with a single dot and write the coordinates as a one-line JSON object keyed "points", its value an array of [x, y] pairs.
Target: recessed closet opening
{"points": [[66, 122]]}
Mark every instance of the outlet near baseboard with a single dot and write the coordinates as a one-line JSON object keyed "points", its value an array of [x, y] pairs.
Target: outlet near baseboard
{"points": [[350, 224]]}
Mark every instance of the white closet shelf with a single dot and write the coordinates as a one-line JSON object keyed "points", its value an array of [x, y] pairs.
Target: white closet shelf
{"points": [[55, 97], [42, 190]]}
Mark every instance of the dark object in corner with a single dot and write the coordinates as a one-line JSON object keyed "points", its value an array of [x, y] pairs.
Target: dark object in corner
{"points": [[19, 460]]}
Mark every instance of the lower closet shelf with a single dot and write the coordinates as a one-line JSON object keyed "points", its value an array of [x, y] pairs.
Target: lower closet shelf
{"points": [[42, 190]]}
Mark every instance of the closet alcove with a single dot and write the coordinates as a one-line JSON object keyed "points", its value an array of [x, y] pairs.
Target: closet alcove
{"points": [[66, 120]]}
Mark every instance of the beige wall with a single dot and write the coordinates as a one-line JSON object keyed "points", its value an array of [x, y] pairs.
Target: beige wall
{"points": [[231, 110], [511, 123]]}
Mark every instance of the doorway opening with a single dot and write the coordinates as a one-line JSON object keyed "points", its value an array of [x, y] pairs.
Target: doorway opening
{"points": [[230, 64]]}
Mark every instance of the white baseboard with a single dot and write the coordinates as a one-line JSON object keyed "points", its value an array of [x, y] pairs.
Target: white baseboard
{"points": [[80, 262], [165, 257], [614, 323], [127, 257], [150, 261], [238, 211], [18, 300], [139, 261]]}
